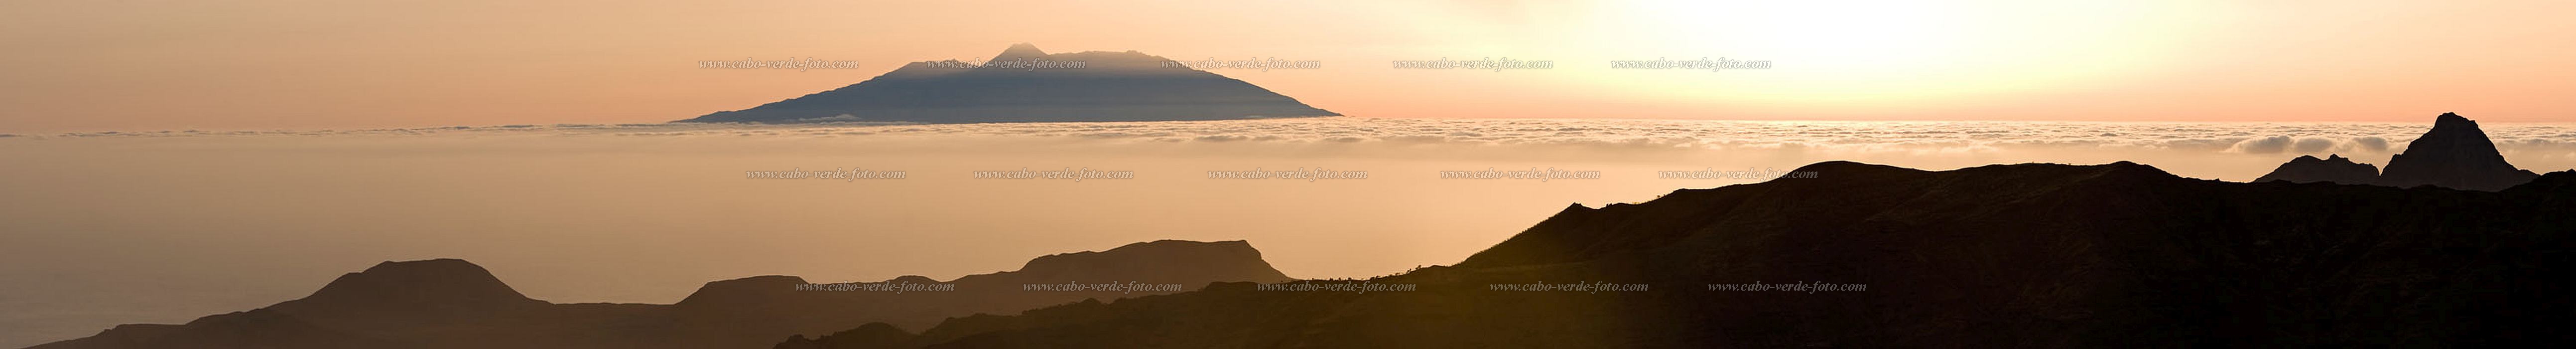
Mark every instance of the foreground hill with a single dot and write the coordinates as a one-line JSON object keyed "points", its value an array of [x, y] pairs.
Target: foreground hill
{"points": [[1023, 84], [449, 303], [2030, 255]]}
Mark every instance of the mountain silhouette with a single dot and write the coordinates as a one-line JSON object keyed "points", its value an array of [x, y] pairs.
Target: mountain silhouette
{"points": [[2454, 154], [2023, 255], [438, 284], [1024, 84], [450, 303], [2332, 169], [2027, 255]]}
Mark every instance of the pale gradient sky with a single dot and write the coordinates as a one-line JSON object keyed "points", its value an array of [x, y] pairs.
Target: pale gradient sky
{"points": [[263, 64]]}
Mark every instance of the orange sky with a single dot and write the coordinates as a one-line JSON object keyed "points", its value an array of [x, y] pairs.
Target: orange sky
{"points": [[153, 65]]}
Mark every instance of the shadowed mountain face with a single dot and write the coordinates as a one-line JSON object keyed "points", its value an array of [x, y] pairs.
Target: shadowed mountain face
{"points": [[448, 303], [1023, 84], [2455, 154], [2031, 255]]}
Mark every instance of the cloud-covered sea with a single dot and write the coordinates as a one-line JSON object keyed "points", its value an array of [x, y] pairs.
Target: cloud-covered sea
{"points": [[1896, 136]]}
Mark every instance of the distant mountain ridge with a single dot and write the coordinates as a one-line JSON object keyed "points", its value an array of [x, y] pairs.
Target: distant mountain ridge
{"points": [[450, 303], [2028, 255], [2332, 169], [1024, 84], [2454, 154]]}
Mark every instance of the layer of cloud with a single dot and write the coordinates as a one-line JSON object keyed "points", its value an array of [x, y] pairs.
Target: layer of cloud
{"points": [[1925, 137]]}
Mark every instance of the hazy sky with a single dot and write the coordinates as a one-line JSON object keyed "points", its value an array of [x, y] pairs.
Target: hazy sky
{"points": [[259, 64]]}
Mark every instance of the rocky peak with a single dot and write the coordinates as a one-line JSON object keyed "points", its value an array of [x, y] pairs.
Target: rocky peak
{"points": [[2455, 154]]}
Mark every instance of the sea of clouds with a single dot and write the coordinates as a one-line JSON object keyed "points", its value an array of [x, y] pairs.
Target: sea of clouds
{"points": [[2542, 139]]}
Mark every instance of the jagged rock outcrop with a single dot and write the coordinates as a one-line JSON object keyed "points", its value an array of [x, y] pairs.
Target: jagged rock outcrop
{"points": [[1107, 86], [449, 303], [2454, 154], [2029, 255], [2332, 169]]}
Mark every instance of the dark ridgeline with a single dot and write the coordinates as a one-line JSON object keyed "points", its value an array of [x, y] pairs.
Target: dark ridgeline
{"points": [[449, 303], [2455, 154], [2029, 255], [1110, 86], [2332, 169]]}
